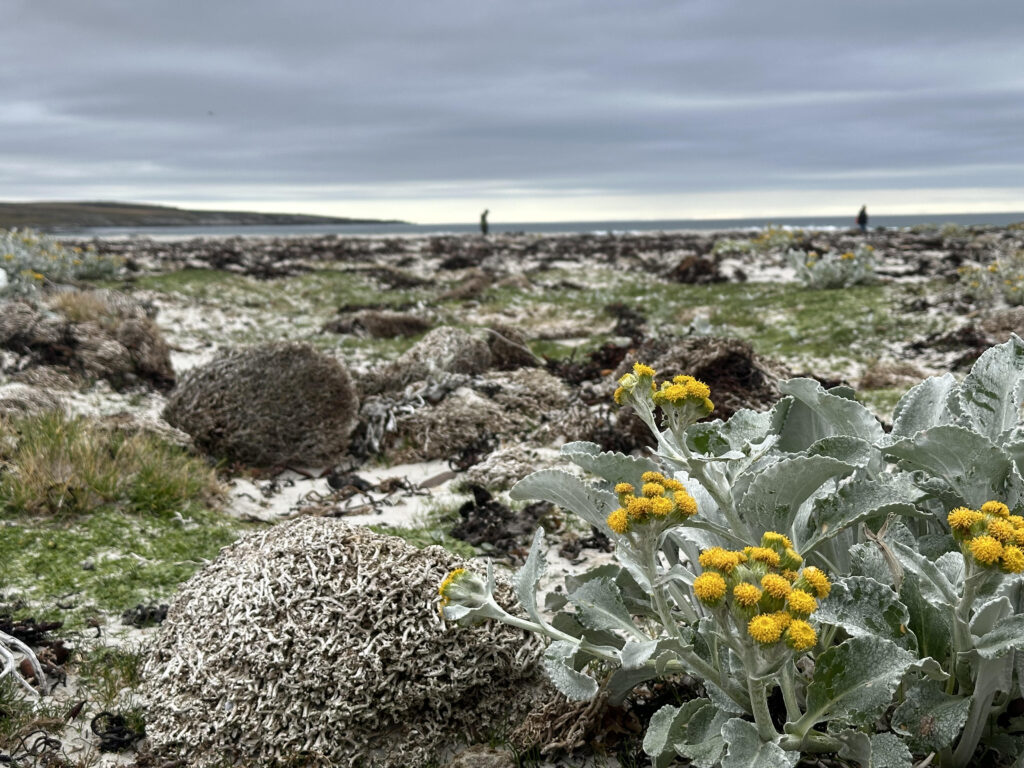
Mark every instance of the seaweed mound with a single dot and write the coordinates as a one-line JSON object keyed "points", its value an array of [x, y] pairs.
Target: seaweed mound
{"points": [[321, 640], [89, 334], [267, 405], [443, 350]]}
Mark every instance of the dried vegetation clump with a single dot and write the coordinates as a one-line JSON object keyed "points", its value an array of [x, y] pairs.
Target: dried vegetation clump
{"points": [[443, 350], [267, 405], [89, 334], [321, 639]]}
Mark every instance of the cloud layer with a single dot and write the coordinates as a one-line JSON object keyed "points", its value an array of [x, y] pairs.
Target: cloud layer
{"points": [[334, 103]]}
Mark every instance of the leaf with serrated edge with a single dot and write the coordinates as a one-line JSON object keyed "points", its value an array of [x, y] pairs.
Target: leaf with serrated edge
{"points": [[599, 605], [861, 499], [1007, 634], [929, 717], [569, 492], [635, 654], [816, 414], [883, 750], [989, 397], [613, 467], [558, 665], [703, 744], [923, 406], [969, 463], [934, 585], [746, 750], [854, 681], [862, 606], [667, 725], [529, 575], [774, 497]]}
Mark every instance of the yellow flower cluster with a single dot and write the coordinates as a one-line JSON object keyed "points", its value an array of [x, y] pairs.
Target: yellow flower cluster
{"points": [[684, 397], [990, 535], [763, 588], [447, 583], [661, 498]]}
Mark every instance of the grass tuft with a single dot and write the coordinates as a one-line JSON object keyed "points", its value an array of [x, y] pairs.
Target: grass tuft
{"points": [[64, 466]]}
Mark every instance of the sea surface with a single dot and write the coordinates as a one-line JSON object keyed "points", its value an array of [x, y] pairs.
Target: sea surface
{"points": [[562, 227]]}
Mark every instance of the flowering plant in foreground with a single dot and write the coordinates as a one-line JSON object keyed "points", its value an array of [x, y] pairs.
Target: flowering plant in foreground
{"points": [[832, 269], [872, 578]]}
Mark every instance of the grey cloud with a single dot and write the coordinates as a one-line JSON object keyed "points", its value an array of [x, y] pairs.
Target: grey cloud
{"points": [[618, 97]]}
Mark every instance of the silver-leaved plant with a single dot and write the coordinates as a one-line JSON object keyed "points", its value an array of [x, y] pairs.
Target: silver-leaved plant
{"points": [[873, 578]]}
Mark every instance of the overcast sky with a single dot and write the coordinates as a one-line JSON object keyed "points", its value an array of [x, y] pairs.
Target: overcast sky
{"points": [[536, 109]]}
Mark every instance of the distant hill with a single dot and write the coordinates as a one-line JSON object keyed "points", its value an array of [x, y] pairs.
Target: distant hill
{"points": [[58, 216]]}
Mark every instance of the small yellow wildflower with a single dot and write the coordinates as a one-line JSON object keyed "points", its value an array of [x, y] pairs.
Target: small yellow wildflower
{"points": [[848, 256], [800, 635], [791, 559], [818, 581], [720, 559], [961, 519], [772, 538], [652, 477], [802, 603], [996, 508], [783, 618], [709, 587], [617, 395], [986, 550], [1001, 530], [651, 490], [618, 521], [789, 575], [660, 507], [685, 503], [775, 585], [746, 594], [765, 629], [624, 489], [1013, 559], [672, 484], [638, 508], [643, 370], [1016, 521], [763, 555], [448, 581]]}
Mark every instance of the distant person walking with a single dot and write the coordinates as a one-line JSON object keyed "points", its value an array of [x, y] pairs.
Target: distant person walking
{"points": [[483, 223], [862, 218]]}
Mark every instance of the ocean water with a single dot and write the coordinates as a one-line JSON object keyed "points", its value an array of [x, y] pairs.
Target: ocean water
{"points": [[561, 227]]}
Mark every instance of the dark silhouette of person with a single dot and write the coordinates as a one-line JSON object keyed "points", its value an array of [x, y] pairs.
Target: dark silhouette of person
{"points": [[862, 218], [483, 222]]}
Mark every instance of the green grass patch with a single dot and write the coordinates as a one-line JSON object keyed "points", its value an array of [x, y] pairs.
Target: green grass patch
{"points": [[107, 561], [98, 519], [60, 465]]}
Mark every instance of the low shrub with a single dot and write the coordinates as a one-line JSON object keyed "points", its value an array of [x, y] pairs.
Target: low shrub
{"points": [[30, 260], [1000, 281], [64, 465], [834, 270]]}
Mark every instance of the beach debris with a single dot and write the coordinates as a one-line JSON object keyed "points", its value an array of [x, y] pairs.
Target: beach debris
{"points": [[319, 638], [379, 324], [90, 335], [443, 350], [488, 524], [696, 270], [509, 348], [268, 405], [461, 417], [504, 467]]}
